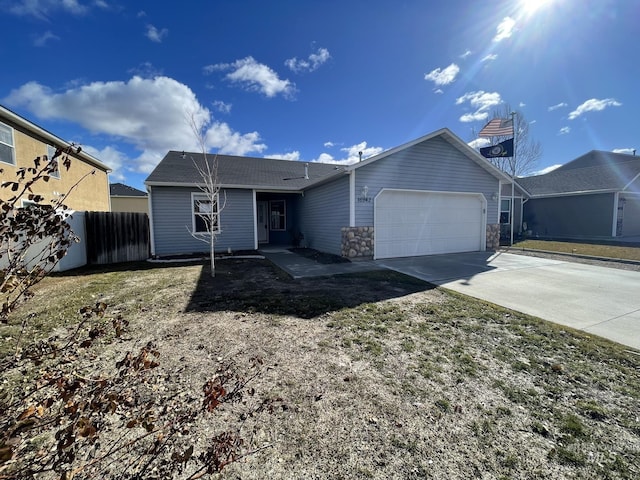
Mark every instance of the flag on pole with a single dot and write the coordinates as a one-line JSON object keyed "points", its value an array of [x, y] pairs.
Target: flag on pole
{"points": [[497, 127], [503, 149]]}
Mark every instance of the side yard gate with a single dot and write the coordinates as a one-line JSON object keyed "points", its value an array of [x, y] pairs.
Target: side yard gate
{"points": [[114, 237]]}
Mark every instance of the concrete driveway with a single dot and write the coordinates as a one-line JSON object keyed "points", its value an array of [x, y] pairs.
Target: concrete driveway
{"points": [[598, 300]]}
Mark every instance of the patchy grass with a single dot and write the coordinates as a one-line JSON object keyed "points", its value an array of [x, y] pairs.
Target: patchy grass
{"points": [[385, 376], [594, 250]]}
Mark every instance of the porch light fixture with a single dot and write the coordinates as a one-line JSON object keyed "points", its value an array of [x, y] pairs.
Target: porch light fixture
{"points": [[364, 192], [494, 196]]}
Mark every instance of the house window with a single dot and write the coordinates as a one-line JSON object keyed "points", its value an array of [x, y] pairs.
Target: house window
{"points": [[505, 210], [7, 147], [51, 151], [278, 215], [204, 212]]}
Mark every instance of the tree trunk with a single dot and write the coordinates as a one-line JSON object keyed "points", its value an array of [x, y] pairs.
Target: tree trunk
{"points": [[213, 256]]}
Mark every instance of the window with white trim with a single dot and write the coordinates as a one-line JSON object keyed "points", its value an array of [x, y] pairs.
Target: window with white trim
{"points": [[505, 210], [204, 213], [278, 215], [51, 151], [7, 146]]}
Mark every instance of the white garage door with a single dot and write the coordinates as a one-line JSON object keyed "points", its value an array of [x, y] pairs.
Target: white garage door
{"points": [[410, 223]]}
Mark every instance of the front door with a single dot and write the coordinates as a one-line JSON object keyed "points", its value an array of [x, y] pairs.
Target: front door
{"points": [[262, 222]]}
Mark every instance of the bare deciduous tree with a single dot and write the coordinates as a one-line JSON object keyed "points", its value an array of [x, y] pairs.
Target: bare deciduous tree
{"points": [[34, 236], [527, 150], [208, 208]]}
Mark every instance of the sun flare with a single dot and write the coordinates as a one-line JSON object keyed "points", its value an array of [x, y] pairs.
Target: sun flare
{"points": [[531, 6]]}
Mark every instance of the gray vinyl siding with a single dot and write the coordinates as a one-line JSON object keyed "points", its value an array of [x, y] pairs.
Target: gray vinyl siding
{"points": [[574, 216], [172, 221], [431, 165], [323, 211]]}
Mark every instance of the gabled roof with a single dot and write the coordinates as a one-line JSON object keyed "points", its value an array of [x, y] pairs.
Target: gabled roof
{"points": [[596, 171], [178, 169], [449, 137], [122, 190], [46, 136]]}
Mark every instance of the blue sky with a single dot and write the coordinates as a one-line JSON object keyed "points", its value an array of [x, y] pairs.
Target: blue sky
{"points": [[318, 80]]}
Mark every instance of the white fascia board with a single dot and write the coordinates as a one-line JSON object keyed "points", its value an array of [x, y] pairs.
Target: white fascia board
{"points": [[50, 137], [448, 136], [226, 186], [569, 194]]}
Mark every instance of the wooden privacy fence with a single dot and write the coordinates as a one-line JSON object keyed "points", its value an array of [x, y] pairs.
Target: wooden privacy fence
{"points": [[114, 237]]}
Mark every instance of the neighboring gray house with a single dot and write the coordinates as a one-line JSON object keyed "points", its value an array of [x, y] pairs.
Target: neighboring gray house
{"points": [[432, 195], [595, 196]]}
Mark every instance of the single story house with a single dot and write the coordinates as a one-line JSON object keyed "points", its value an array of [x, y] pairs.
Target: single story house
{"points": [[128, 199], [432, 195], [596, 196]]}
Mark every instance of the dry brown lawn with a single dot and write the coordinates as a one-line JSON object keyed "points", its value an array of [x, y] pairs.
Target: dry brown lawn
{"points": [[381, 376]]}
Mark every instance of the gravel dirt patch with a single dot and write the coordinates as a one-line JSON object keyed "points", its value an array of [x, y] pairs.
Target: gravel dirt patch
{"points": [[379, 375]]}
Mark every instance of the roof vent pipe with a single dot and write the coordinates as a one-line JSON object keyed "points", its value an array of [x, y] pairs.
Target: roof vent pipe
{"points": [[306, 171], [360, 155], [634, 152]]}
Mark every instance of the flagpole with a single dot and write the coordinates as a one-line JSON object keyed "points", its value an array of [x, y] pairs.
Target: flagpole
{"points": [[513, 173]]}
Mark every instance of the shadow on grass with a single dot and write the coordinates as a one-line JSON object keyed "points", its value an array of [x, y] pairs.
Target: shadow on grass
{"points": [[256, 286]]}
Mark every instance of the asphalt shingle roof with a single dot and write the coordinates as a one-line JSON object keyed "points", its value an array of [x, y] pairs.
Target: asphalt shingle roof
{"points": [[122, 190], [594, 171], [246, 172]]}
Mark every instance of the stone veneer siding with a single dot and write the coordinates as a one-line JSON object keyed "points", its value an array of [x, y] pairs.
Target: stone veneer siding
{"points": [[357, 242], [493, 236]]}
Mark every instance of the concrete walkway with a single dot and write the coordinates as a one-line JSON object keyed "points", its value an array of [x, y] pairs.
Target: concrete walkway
{"points": [[599, 300], [301, 267]]}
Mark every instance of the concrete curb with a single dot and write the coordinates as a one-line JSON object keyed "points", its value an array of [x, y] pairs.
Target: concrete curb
{"points": [[566, 254]]}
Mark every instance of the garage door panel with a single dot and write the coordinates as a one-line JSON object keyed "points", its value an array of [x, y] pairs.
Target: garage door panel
{"points": [[424, 223]]}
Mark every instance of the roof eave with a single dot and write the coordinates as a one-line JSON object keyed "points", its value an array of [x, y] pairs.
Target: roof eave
{"points": [[225, 185], [450, 137], [57, 141], [578, 192]]}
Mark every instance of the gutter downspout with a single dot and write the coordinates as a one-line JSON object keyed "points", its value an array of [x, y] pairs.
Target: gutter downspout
{"points": [[352, 198], [151, 233]]}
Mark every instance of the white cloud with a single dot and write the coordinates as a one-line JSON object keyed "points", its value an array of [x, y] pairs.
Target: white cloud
{"points": [[490, 57], [353, 155], [329, 144], [482, 101], [465, 54], [522, 105], [111, 157], [150, 114], [314, 61], [548, 169], [42, 8], [593, 105], [444, 76], [557, 106], [504, 29], [221, 106], [564, 130], [295, 155], [479, 143], [41, 40], [628, 151], [146, 70], [255, 77], [156, 35], [438, 91]]}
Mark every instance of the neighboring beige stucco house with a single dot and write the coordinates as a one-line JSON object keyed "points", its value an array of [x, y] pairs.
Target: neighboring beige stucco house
{"points": [[21, 141], [128, 199]]}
